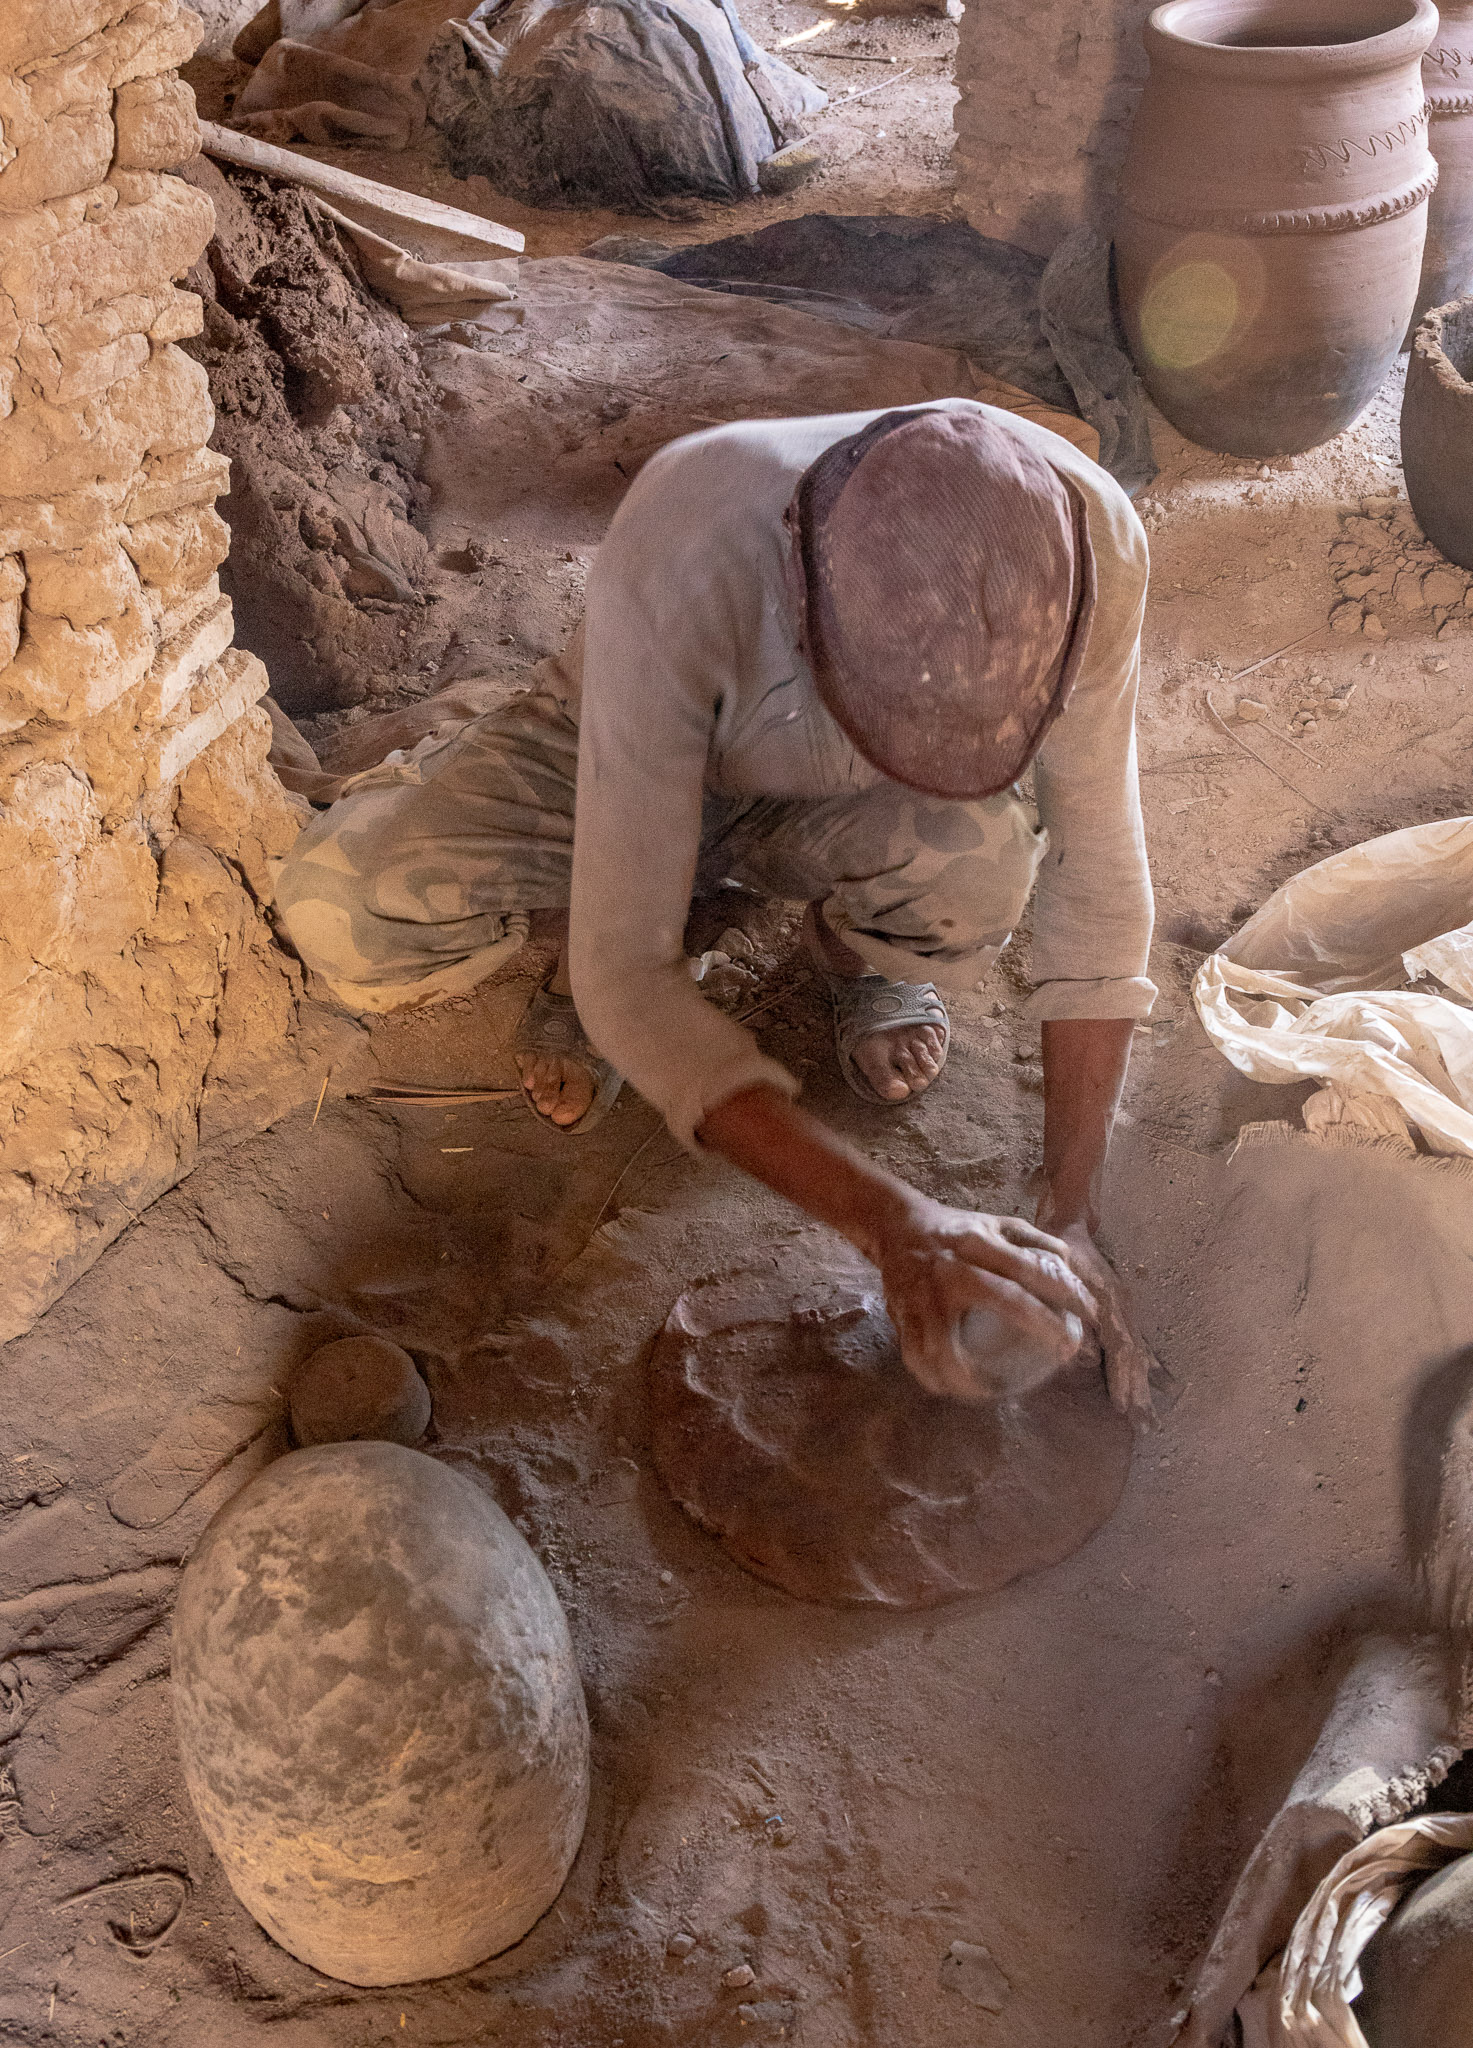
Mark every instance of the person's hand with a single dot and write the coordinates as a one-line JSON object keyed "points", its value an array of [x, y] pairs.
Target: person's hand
{"points": [[940, 1264], [1127, 1361]]}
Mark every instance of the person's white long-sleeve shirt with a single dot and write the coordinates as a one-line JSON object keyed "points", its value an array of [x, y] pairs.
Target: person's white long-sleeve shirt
{"points": [[693, 681]]}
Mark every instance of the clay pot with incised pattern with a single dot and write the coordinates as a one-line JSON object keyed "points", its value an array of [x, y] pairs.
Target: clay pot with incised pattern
{"points": [[1273, 213], [1437, 429], [1447, 73]]}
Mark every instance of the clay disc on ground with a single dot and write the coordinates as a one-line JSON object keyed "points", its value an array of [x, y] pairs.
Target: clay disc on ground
{"points": [[359, 1388], [784, 1421]]}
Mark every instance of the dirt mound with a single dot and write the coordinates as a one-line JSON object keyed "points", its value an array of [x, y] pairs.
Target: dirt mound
{"points": [[319, 398]]}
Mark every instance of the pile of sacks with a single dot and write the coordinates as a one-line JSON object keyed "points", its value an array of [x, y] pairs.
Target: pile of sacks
{"points": [[555, 101]]}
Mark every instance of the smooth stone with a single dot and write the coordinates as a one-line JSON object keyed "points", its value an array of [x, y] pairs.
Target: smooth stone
{"points": [[783, 1420], [1418, 1970], [380, 1716], [358, 1388]]}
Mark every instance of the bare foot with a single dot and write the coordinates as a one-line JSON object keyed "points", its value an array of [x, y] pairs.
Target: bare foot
{"points": [[561, 1089], [899, 1062]]}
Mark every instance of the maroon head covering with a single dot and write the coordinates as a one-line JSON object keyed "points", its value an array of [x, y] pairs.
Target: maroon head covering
{"points": [[947, 585]]}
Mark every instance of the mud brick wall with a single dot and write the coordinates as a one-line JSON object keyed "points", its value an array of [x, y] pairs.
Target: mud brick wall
{"points": [[143, 1004], [1046, 93]]}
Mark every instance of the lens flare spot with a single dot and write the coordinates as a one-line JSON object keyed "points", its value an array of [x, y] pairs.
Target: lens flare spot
{"points": [[1189, 313]]}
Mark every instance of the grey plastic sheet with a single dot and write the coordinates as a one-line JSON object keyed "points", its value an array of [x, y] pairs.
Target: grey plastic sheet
{"points": [[1046, 326]]}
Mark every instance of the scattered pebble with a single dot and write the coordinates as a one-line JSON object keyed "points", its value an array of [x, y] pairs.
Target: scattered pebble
{"points": [[1443, 586], [1264, 471], [1334, 707], [1250, 710], [1372, 627], [771, 2012], [680, 1946], [968, 1969], [739, 1978]]}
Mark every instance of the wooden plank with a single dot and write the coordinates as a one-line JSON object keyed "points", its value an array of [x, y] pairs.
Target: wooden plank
{"points": [[457, 236]]}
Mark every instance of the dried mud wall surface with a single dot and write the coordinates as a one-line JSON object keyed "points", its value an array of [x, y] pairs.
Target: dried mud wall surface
{"points": [[319, 400], [143, 1004], [1046, 92]]}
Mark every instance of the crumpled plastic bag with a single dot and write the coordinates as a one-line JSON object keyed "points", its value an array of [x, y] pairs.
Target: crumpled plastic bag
{"points": [[1304, 1999], [1313, 988], [1299, 1918]]}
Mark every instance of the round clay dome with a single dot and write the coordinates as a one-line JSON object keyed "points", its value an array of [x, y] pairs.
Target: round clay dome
{"points": [[358, 1387], [381, 1720]]}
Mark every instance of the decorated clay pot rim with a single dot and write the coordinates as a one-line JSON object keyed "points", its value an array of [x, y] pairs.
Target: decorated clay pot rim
{"points": [[1396, 31], [1428, 344], [1303, 220]]}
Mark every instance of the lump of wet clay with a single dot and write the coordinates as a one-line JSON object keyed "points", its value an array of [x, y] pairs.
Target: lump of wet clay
{"points": [[358, 1387], [1418, 1970], [381, 1721], [783, 1420]]}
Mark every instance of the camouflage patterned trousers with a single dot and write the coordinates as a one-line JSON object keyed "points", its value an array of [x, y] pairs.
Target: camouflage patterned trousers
{"points": [[417, 883]]}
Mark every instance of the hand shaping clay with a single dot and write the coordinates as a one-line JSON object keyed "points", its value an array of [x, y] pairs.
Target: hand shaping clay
{"points": [[359, 1387], [784, 1421], [381, 1721], [1418, 1971]]}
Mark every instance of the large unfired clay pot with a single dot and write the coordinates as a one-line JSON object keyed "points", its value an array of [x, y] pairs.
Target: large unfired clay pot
{"points": [[1447, 73], [1437, 429], [380, 1716], [1273, 213]]}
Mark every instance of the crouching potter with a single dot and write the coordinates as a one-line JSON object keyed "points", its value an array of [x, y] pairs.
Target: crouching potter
{"points": [[817, 658]]}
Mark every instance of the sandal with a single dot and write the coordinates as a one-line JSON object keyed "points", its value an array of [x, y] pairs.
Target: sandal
{"points": [[550, 1025], [866, 1003]]}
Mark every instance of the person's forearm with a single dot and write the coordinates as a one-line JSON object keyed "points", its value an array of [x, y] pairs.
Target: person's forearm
{"points": [[1084, 1063], [795, 1155]]}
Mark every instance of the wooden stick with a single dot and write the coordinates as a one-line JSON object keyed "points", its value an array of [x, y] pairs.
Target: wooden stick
{"points": [[1254, 755], [1254, 667], [636, 1155], [1274, 734], [460, 235], [767, 1002], [442, 1098], [863, 94]]}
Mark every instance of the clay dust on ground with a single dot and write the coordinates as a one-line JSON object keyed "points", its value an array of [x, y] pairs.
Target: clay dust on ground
{"points": [[1067, 1775]]}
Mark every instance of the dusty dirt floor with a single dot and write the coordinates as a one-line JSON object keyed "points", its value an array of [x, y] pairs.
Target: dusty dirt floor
{"points": [[1069, 1774]]}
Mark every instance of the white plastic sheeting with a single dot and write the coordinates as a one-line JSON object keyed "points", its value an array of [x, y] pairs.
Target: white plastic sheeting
{"points": [[1304, 1999], [1314, 987]]}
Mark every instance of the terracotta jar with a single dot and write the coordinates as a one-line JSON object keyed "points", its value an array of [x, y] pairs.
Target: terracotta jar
{"points": [[1273, 213], [1447, 73], [1437, 430]]}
